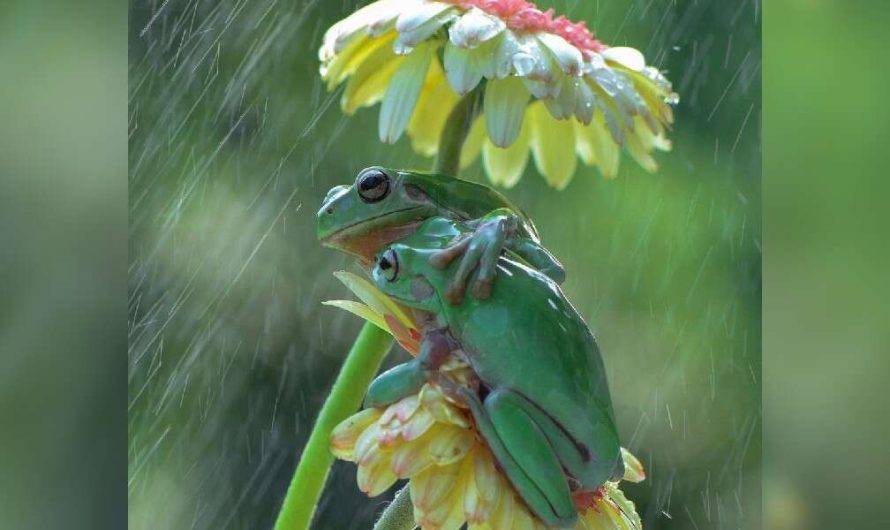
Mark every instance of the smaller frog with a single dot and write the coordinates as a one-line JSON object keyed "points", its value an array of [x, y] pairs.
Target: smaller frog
{"points": [[385, 205], [542, 401]]}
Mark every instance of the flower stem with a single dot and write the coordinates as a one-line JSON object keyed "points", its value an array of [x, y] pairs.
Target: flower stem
{"points": [[399, 515], [345, 398], [455, 132]]}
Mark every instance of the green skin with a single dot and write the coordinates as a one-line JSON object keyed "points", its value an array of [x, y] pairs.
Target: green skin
{"points": [[542, 403], [385, 205]]}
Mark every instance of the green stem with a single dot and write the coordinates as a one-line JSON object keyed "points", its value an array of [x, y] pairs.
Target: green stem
{"points": [[346, 396], [399, 515], [455, 132]]}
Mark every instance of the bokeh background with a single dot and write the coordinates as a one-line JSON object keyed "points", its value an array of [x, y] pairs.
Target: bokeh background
{"points": [[234, 142]]}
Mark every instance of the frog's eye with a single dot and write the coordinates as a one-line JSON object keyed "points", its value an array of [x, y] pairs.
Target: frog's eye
{"points": [[372, 184], [389, 265]]}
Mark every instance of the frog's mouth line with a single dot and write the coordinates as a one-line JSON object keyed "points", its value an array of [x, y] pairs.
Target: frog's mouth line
{"points": [[346, 231]]}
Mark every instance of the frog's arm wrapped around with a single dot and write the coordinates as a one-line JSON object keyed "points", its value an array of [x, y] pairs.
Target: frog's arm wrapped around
{"points": [[384, 206], [541, 401]]}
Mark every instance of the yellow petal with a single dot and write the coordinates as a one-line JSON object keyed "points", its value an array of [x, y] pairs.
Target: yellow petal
{"points": [[401, 411], [626, 507], [361, 310], [595, 146], [435, 104], [346, 62], [473, 143], [369, 82], [448, 513], [553, 144], [432, 485], [374, 297], [505, 167], [418, 424], [450, 444], [346, 434], [485, 475], [411, 458], [633, 468], [375, 478], [433, 399]]}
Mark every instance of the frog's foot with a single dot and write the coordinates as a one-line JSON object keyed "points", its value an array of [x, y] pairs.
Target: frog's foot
{"points": [[480, 252], [396, 383], [523, 452]]}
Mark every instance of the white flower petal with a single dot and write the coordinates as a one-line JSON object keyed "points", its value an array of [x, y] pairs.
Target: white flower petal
{"points": [[505, 103], [553, 144], [461, 69], [475, 27], [375, 15], [403, 91], [585, 103], [628, 57], [567, 56], [413, 37], [412, 17], [507, 46]]}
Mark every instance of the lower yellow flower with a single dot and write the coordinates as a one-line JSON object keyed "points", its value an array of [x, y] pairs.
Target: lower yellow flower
{"points": [[428, 439]]}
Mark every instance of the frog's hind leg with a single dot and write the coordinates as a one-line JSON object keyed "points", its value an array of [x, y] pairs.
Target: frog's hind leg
{"points": [[591, 463], [524, 454]]}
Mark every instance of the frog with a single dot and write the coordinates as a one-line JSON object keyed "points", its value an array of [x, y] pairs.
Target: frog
{"points": [[541, 400], [385, 205]]}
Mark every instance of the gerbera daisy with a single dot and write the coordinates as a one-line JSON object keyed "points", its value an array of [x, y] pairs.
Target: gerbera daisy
{"points": [[547, 84]]}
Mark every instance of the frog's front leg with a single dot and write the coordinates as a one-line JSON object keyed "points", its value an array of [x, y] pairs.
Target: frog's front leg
{"points": [[480, 250], [406, 379], [524, 453]]}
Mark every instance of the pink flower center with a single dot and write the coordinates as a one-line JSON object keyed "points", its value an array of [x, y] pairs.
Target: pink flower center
{"points": [[521, 15]]}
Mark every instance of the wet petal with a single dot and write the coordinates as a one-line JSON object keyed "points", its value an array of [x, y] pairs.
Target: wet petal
{"points": [[553, 145], [404, 89], [461, 69], [474, 28], [567, 56], [412, 17], [505, 103], [595, 147], [629, 57]]}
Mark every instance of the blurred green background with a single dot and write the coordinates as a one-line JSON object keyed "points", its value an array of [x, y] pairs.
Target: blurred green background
{"points": [[233, 144]]}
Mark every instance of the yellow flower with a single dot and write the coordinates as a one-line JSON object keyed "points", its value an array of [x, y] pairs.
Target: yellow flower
{"points": [[430, 440], [549, 86]]}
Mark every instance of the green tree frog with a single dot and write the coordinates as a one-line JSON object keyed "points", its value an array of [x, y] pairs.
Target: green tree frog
{"points": [[542, 401], [385, 205]]}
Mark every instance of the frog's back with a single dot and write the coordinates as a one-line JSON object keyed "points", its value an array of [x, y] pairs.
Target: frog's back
{"points": [[529, 338], [467, 199]]}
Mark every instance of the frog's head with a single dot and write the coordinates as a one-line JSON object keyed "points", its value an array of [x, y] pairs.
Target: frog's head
{"points": [[382, 206], [406, 274]]}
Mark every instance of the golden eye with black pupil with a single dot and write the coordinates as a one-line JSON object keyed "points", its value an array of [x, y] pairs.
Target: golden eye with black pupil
{"points": [[389, 265], [372, 184]]}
